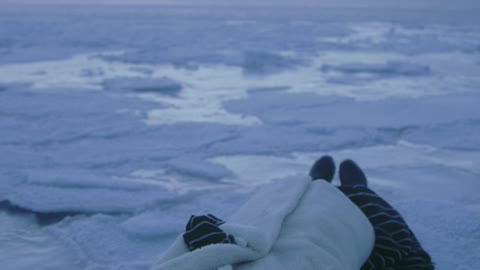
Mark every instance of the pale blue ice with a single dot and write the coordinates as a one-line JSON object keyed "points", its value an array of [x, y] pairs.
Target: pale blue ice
{"points": [[119, 122]]}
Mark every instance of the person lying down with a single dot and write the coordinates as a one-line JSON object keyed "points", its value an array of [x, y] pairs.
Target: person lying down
{"points": [[297, 223]]}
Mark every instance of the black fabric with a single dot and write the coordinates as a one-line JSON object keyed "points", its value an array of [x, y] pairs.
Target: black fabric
{"points": [[204, 230], [323, 168], [195, 220], [350, 174], [396, 247]]}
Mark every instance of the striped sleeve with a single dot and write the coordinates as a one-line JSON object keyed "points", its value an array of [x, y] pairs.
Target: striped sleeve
{"points": [[395, 244], [203, 231]]}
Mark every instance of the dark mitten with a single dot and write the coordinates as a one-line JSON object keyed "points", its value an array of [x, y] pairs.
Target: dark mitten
{"points": [[203, 231]]}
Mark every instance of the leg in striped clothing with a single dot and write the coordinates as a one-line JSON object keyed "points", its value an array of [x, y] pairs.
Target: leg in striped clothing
{"points": [[396, 247]]}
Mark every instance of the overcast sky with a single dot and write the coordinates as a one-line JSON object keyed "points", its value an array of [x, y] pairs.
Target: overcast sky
{"points": [[362, 3]]}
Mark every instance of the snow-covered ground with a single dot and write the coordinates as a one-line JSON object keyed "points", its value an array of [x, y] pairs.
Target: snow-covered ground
{"points": [[118, 123]]}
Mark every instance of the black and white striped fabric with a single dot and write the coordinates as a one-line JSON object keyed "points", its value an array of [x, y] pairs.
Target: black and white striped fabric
{"points": [[396, 247], [204, 230]]}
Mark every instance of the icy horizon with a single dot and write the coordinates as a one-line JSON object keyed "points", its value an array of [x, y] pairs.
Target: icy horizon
{"points": [[410, 4]]}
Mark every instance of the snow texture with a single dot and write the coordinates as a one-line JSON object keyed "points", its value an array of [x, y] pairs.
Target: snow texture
{"points": [[119, 122]]}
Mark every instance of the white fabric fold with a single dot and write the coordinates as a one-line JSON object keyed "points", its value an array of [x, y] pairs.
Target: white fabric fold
{"points": [[290, 224]]}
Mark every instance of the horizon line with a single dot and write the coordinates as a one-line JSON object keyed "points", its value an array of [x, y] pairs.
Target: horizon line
{"points": [[222, 5]]}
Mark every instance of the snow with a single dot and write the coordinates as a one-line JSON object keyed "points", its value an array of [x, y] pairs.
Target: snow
{"points": [[118, 123]]}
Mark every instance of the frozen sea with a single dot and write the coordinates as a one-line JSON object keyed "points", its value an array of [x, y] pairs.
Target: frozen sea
{"points": [[118, 123]]}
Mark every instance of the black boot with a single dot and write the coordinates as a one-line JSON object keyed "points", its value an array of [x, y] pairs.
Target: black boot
{"points": [[351, 174], [324, 168]]}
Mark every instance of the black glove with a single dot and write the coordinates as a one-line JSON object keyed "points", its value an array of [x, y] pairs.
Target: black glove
{"points": [[203, 230]]}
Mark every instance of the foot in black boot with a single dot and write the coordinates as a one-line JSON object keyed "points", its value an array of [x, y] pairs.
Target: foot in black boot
{"points": [[324, 168], [351, 174]]}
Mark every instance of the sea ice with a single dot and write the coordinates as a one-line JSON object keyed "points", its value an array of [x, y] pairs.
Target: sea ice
{"points": [[164, 85], [205, 105]]}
